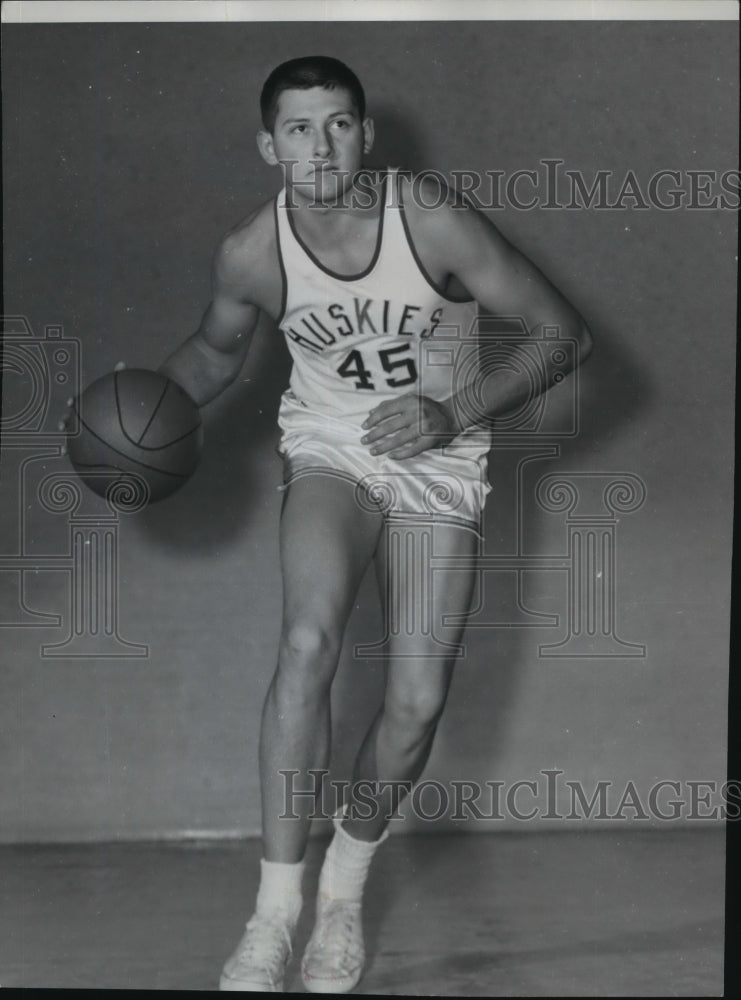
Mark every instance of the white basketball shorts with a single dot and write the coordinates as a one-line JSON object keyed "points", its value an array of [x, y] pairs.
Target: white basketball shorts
{"points": [[441, 484]]}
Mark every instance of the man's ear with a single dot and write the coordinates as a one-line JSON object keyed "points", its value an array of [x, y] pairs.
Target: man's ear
{"points": [[267, 150], [369, 134]]}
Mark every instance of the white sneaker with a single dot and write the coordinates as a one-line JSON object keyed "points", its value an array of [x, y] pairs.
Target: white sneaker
{"points": [[260, 959], [334, 957]]}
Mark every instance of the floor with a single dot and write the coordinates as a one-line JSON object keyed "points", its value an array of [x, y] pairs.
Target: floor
{"points": [[594, 913]]}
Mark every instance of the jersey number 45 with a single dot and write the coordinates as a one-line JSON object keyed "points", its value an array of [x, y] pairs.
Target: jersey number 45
{"points": [[354, 367]]}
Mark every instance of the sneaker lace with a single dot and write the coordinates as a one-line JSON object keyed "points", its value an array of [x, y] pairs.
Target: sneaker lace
{"points": [[266, 945], [336, 929]]}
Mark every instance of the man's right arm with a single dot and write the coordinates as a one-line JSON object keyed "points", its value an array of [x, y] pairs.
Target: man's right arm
{"points": [[212, 357]]}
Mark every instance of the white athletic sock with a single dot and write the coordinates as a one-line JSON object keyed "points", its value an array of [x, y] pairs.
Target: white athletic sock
{"points": [[346, 865], [280, 890]]}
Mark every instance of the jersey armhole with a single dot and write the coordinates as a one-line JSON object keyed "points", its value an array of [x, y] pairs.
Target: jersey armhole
{"points": [[422, 270], [283, 278]]}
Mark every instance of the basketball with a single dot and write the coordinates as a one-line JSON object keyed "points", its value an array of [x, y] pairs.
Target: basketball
{"points": [[135, 427]]}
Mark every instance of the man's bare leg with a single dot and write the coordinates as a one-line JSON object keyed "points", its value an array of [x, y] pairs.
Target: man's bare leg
{"points": [[399, 741], [327, 541], [396, 747]]}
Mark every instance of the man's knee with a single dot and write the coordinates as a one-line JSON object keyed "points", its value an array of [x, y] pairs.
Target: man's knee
{"points": [[308, 641], [415, 711], [306, 667]]}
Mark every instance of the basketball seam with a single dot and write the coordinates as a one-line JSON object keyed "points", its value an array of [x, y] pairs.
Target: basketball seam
{"points": [[152, 468], [144, 447], [154, 413], [129, 438], [128, 472], [161, 447]]}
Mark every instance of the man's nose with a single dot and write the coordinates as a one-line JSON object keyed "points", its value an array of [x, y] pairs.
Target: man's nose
{"points": [[322, 146]]}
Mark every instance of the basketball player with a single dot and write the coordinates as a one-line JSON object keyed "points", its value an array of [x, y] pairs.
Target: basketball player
{"points": [[360, 276]]}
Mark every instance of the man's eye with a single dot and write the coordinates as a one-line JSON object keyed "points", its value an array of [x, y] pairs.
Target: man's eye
{"points": [[341, 124], [298, 128]]}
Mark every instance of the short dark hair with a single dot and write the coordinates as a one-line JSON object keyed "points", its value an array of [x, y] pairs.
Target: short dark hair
{"points": [[303, 74]]}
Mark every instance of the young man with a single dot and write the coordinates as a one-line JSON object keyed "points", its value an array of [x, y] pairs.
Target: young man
{"points": [[360, 275]]}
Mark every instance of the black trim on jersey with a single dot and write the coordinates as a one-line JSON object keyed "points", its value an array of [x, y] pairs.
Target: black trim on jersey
{"points": [[284, 278], [376, 253], [420, 265]]}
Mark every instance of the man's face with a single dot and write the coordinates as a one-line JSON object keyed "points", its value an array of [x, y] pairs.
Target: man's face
{"points": [[319, 140]]}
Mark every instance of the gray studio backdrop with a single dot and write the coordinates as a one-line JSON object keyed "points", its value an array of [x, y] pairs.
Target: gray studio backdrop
{"points": [[128, 151]]}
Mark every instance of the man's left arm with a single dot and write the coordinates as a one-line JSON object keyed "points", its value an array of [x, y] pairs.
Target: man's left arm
{"points": [[505, 283], [463, 242]]}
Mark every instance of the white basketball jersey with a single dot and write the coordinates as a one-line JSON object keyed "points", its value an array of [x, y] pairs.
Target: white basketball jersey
{"points": [[357, 340]]}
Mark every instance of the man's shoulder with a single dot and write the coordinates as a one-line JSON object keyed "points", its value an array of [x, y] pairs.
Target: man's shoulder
{"points": [[440, 223], [432, 206], [429, 191], [252, 239], [246, 261]]}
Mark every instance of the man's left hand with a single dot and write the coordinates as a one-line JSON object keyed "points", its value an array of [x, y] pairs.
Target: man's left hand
{"points": [[408, 425]]}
